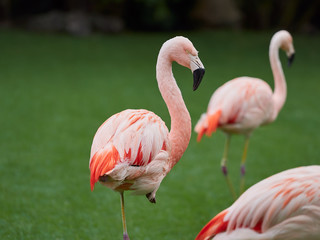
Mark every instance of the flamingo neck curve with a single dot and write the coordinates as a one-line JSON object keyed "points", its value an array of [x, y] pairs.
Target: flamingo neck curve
{"points": [[280, 86], [180, 133]]}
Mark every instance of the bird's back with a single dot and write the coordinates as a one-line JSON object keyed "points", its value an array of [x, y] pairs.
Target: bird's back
{"points": [[127, 140]]}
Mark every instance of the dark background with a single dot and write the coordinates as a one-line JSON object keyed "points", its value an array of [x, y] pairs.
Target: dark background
{"points": [[82, 17]]}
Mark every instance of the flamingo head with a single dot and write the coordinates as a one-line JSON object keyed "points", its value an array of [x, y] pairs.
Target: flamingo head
{"points": [[184, 53], [287, 45]]}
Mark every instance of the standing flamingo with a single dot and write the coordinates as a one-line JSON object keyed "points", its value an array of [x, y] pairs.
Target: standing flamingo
{"points": [[243, 104], [283, 206], [133, 150]]}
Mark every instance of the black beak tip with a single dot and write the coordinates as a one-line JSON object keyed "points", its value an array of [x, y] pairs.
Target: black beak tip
{"points": [[197, 77], [290, 60]]}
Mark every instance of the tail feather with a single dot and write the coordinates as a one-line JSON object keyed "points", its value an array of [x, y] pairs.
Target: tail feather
{"points": [[200, 126], [102, 162], [200, 134], [213, 122], [207, 124], [215, 226]]}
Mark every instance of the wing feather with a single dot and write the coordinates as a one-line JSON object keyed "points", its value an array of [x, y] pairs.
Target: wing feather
{"points": [[132, 137], [276, 198], [283, 206]]}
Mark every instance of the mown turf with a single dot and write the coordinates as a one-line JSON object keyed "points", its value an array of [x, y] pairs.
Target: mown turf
{"points": [[56, 90]]}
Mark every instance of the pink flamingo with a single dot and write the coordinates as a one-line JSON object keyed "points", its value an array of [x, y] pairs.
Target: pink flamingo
{"points": [[243, 104], [283, 206], [133, 150]]}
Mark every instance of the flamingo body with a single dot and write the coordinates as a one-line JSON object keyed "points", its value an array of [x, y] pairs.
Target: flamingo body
{"points": [[241, 104], [283, 206], [132, 149]]}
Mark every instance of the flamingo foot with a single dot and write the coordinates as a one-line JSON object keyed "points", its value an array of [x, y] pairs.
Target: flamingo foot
{"points": [[243, 170], [228, 181], [224, 170], [151, 197], [242, 180], [126, 236]]}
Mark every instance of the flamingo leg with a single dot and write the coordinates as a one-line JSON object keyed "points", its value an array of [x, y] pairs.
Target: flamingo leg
{"points": [[243, 166], [224, 168], [124, 225]]}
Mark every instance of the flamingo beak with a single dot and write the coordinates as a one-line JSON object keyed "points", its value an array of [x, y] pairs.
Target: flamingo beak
{"points": [[290, 59], [197, 69], [197, 77]]}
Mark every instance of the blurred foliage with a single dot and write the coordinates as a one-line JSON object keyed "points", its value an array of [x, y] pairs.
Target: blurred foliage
{"points": [[158, 14], [138, 14], [176, 14], [290, 14]]}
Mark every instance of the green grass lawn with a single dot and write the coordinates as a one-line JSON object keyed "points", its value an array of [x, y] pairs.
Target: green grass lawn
{"points": [[56, 90]]}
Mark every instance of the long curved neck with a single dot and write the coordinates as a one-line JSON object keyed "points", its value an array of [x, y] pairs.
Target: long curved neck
{"points": [[280, 86], [180, 132]]}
